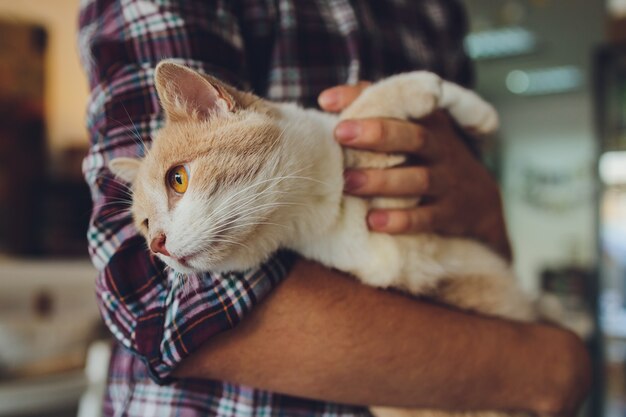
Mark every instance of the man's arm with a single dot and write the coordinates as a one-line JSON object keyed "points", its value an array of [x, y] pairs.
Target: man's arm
{"points": [[322, 335]]}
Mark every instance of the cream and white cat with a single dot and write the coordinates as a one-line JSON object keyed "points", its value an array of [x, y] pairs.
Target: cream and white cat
{"points": [[231, 178]]}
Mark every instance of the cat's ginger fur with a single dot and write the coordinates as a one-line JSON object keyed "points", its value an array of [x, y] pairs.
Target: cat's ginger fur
{"points": [[265, 176]]}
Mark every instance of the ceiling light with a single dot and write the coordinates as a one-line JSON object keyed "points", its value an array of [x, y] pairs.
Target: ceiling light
{"points": [[544, 81], [499, 43]]}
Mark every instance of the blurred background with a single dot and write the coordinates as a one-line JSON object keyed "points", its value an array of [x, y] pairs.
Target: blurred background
{"points": [[556, 70]]}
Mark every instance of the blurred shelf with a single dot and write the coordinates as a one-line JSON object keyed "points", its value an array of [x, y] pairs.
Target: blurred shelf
{"points": [[41, 395], [65, 270]]}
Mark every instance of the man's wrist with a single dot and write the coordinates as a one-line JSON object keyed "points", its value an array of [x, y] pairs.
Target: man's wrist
{"points": [[567, 375]]}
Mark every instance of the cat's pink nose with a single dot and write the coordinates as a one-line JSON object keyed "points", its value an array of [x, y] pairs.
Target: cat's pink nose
{"points": [[158, 245]]}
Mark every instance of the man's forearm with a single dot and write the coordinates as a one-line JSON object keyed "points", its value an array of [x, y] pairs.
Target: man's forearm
{"points": [[324, 336]]}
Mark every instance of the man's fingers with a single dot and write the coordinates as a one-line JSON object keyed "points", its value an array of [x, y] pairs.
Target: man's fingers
{"points": [[418, 220], [338, 98], [384, 135], [413, 181]]}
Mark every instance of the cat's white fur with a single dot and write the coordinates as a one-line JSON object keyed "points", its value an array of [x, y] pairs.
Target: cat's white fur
{"points": [[295, 198]]}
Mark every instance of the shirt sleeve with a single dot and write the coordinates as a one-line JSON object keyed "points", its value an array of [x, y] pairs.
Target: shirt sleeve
{"points": [[157, 315], [449, 19], [450, 22]]}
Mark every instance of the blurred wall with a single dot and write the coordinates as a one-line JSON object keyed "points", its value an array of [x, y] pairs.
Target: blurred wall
{"points": [[549, 136], [65, 84], [554, 225]]}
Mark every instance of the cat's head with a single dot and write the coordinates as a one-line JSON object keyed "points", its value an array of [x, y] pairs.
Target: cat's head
{"points": [[206, 195]]}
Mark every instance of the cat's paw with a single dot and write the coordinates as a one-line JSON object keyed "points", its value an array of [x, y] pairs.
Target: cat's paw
{"points": [[489, 123], [484, 121], [411, 95], [468, 109], [420, 92]]}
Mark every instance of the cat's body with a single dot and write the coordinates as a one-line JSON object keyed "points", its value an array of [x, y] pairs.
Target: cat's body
{"points": [[264, 176]]}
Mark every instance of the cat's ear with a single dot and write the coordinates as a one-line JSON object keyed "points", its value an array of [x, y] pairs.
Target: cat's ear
{"points": [[125, 169], [184, 93]]}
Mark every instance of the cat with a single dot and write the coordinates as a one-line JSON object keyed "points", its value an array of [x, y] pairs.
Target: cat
{"points": [[231, 178]]}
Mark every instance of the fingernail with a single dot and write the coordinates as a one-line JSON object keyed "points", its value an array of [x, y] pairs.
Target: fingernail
{"points": [[328, 99], [347, 131], [353, 180], [378, 219]]}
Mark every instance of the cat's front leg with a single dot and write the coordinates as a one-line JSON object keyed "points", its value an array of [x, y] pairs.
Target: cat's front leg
{"points": [[417, 94], [410, 95]]}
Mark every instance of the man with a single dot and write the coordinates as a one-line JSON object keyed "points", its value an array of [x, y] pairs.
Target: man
{"points": [[319, 339]]}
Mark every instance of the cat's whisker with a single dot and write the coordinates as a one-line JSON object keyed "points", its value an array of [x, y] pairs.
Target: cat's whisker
{"points": [[245, 207], [103, 209], [242, 205], [123, 197], [218, 227], [191, 279], [249, 223], [121, 200], [223, 228], [178, 279], [248, 201], [119, 186], [99, 207], [117, 199], [253, 210], [112, 201], [274, 180], [125, 212], [223, 240], [298, 177], [243, 190], [267, 192], [113, 212], [138, 135], [135, 130], [182, 281], [279, 137], [137, 139], [111, 176], [208, 242]]}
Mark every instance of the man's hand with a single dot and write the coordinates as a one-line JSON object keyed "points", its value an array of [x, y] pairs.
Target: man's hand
{"points": [[459, 196]]}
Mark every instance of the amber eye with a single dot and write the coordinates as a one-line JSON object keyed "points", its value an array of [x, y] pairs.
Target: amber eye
{"points": [[178, 179]]}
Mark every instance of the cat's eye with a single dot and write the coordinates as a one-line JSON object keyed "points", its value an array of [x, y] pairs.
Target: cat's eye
{"points": [[178, 179], [146, 224]]}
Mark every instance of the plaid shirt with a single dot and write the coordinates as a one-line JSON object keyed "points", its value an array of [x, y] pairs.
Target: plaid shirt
{"points": [[280, 49]]}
